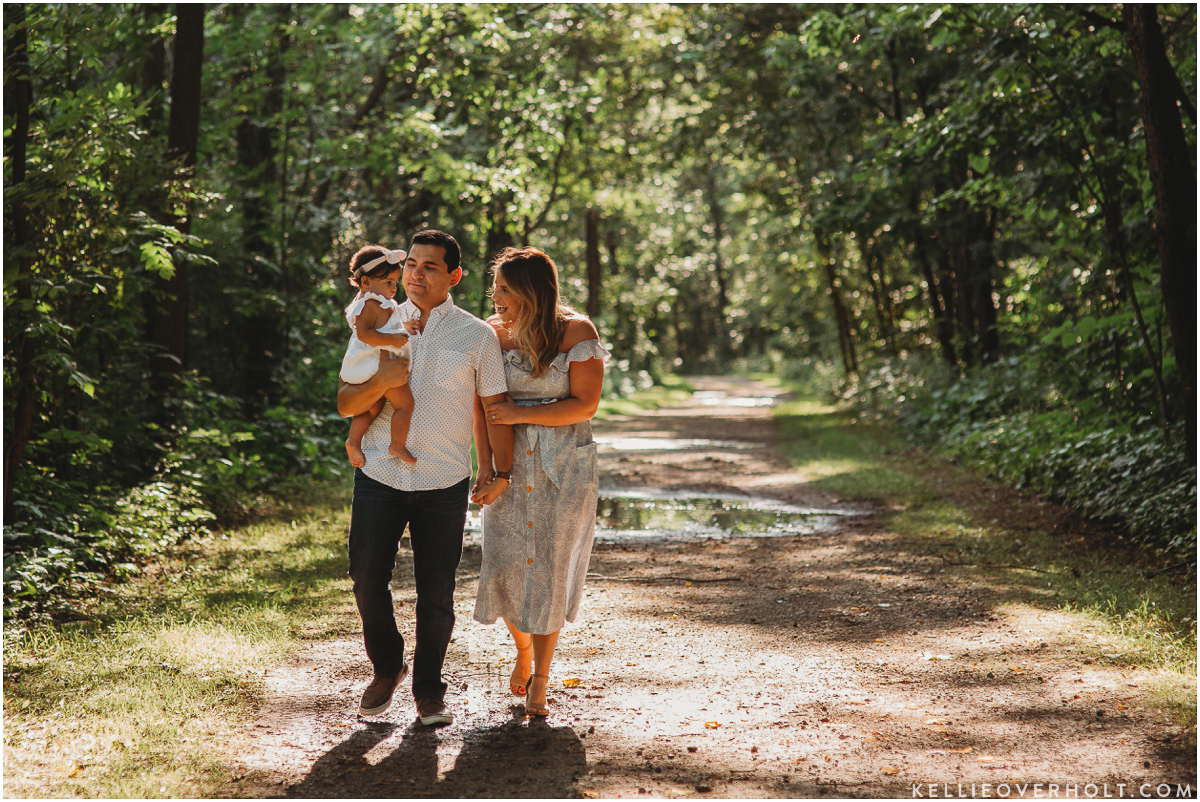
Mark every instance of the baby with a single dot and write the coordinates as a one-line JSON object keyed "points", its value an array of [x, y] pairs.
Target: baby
{"points": [[375, 325]]}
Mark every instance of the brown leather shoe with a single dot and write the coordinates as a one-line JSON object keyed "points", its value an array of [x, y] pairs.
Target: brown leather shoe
{"points": [[434, 711], [377, 698]]}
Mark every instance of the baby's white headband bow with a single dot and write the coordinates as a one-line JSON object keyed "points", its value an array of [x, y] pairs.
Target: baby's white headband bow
{"points": [[391, 257]]}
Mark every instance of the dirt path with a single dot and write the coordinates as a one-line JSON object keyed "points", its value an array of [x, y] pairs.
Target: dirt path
{"points": [[831, 664]]}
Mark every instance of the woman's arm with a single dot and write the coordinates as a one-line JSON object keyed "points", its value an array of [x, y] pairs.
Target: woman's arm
{"points": [[587, 380], [355, 399]]}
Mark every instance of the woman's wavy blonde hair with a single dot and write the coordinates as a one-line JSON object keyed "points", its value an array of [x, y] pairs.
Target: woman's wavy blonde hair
{"points": [[542, 320]]}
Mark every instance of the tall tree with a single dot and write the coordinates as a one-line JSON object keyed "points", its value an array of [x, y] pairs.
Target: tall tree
{"points": [[168, 324], [1173, 174], [18, 99]]}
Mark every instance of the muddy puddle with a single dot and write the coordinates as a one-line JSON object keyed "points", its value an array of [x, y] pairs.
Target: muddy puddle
{"points": [[651, 514], [624, 514], [607, 444], [718, 398]]}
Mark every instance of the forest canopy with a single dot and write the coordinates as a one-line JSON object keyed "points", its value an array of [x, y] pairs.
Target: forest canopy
{"points": [[978, 218]]}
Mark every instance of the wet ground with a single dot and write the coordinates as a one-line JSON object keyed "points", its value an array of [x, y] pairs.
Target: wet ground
{"points": [[742, 635]]}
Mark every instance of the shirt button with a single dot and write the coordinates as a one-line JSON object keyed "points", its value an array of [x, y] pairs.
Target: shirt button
{"points": [[529, 453], [529, 489], [531, 561], [531, 524]]}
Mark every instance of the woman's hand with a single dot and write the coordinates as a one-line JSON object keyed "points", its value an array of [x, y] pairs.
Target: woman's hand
{"points": [[505, 413]]}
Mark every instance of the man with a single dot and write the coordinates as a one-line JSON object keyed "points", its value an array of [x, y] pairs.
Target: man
{"points": [[455, 356]]}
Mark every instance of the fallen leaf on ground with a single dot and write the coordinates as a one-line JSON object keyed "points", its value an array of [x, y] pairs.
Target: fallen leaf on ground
{"points": [[571, 682], [712, 725], [962, 751], [890, 770], [932, 656]]}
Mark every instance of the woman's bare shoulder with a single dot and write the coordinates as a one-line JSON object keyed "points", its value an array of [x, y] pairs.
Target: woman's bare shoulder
{"points": [[579, 328]]}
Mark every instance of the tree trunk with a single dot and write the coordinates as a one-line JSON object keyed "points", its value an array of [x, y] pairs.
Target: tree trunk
{"points": [[499, 237], [717, 213], [943, 323], [265, 335], [984, 284], [1174, 179], [168, 323], [840, 313], [592, 255], [154, 67], [878, 295], [18, 99]]}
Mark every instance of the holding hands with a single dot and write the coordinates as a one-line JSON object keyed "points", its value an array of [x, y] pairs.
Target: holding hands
{"points": [[488, 487]]}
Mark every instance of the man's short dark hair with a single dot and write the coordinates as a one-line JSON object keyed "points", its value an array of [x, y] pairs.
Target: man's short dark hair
{"points": [[431, 236]]}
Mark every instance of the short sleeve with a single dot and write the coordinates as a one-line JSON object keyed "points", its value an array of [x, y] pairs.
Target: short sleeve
{"points": [[587, 349], [489, 366], [356, 306]]}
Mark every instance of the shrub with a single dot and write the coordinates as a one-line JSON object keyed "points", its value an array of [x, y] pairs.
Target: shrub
{"points": [[1013, 424]]}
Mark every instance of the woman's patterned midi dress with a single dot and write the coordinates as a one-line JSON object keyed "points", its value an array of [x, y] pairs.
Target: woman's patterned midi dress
{"points": [[537, 537]]}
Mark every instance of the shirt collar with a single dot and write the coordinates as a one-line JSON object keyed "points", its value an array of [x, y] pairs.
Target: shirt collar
{"points": [[437, 313]]}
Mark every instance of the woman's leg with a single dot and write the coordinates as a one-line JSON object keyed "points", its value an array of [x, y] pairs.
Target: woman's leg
{"points": [[358, 427], [518, 682], [402, 404], [543, 654]]}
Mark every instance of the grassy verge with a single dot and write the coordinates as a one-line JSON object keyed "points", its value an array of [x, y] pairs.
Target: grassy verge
{"points": [[1116, 608], [145, 694], [673, 388]]}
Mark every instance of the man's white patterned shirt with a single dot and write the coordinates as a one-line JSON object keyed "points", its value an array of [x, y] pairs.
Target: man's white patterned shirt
{"points": [[456, 357]]}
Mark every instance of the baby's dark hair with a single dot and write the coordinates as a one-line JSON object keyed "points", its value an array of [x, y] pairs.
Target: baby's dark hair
{"points": [[366, 254]]}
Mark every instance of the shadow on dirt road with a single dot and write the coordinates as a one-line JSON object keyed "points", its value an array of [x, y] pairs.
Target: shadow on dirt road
{"points": [[838, 662]]}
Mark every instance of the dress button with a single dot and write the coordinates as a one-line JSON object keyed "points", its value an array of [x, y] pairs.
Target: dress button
{"points": [[529, 489], [531, 561], [529, 453], [531, 524]]}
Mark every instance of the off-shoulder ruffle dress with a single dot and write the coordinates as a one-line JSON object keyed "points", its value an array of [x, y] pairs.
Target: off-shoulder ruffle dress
{"points": [[537, 537]]}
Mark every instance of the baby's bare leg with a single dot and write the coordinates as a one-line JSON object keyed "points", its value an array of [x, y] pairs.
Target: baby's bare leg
{"points": [[402, 402], [358, 427]]}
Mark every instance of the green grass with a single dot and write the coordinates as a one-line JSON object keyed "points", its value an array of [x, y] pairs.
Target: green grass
{"points": [[140, 698], [143, 695], [982, 530], [672, 389]]}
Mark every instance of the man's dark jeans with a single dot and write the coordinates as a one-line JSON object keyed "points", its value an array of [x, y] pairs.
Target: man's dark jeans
{"points": [[435, 520]]}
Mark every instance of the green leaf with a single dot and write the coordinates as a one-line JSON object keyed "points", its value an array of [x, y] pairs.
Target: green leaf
{"points": [[157, 259]]}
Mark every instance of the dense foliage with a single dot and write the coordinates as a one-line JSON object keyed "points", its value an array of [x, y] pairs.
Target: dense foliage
{"points": [[724, 186]]}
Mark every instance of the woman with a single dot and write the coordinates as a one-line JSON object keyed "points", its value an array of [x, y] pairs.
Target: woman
{"points": [[537, 535]]}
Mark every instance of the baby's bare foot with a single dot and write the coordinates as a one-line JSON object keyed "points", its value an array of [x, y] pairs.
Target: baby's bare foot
{"points": [[355, 453], [403, 453]]}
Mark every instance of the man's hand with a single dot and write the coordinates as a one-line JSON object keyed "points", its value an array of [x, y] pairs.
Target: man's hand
{"points": [[488, 488], [393, 369], [355, 399]]}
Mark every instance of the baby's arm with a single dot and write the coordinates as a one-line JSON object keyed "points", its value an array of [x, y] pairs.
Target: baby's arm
{"points": [[370, 320]]}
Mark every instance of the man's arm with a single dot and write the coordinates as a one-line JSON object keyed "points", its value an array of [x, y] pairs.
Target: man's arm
{"points": [[355, 399], [500, 439]]}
